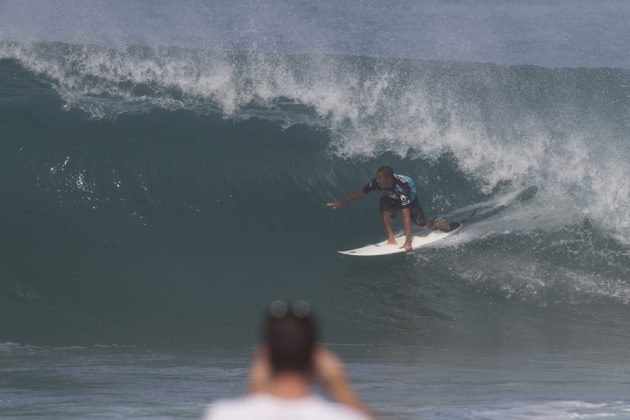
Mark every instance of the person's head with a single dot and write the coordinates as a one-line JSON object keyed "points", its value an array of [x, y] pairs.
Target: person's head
{"points": [[289, 337], [385, 177]]}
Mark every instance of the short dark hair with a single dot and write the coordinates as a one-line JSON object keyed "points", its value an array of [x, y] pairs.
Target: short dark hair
{"points": [[291, 339], [386, 170]]}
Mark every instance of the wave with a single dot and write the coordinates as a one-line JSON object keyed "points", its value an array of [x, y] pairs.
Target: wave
{"points": [[564, 129], [143, 175]]}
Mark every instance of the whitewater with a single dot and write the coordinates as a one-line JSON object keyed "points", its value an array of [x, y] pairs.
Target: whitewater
{"points": [[155, 157]]}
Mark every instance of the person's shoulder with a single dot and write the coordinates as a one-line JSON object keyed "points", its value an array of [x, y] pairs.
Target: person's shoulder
{"points": [[403, 179], [403, 182]]}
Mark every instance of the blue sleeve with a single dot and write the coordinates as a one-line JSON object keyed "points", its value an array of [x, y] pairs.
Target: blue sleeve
{"points": [[370, 186]]}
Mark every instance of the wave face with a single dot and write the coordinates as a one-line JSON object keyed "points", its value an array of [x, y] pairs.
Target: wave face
{"points": [[153, 192]]}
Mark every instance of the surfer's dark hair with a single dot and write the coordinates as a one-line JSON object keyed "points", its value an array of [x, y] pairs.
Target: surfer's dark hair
{"points": [[386, 170], [290, 333]]}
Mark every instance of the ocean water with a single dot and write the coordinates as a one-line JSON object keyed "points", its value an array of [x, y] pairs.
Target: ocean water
{"points": [[164, 170]]}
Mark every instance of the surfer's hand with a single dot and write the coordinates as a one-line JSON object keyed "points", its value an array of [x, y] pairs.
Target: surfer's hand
{"points": [[406, 246], [335, 204]]}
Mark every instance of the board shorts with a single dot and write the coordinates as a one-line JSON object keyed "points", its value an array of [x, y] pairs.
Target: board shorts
{"points": [[392, 205]]}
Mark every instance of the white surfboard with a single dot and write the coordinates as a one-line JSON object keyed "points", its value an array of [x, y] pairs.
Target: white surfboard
{"points": [[383, 248]]}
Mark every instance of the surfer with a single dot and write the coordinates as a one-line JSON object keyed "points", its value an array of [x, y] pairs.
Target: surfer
{"points": [[399, 193]]}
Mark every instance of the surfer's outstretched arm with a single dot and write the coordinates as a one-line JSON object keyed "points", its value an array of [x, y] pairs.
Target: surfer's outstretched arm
{"points": [[354, 196]]}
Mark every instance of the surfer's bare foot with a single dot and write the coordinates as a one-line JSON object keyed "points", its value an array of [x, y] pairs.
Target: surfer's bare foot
{"points": [[441, 225], [392, 241]]}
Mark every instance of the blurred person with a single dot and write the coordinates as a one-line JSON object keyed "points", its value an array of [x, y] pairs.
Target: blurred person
{"points": [[283, 372]]}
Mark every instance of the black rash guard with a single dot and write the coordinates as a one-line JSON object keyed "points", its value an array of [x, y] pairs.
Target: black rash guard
{"points": [[402, 195], [403, 190]]}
